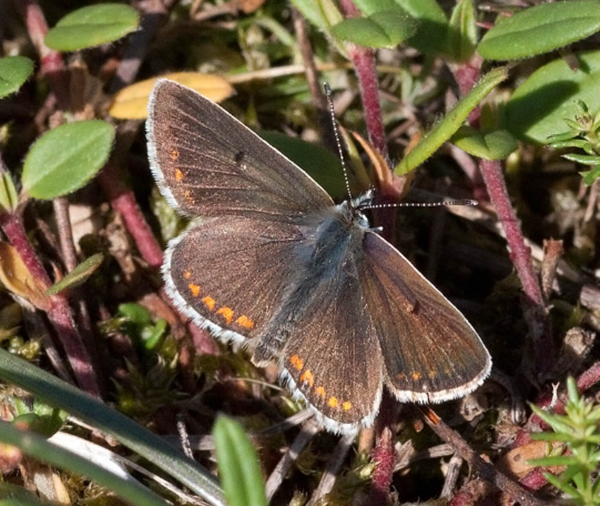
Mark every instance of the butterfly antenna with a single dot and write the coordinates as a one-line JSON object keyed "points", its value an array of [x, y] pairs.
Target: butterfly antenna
{"points": [[337, 137], [441, 203]]}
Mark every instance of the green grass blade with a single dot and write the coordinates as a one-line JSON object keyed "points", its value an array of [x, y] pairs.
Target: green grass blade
{"points": [[448, 126], [38, 447], [132, 435], [239, 468]]}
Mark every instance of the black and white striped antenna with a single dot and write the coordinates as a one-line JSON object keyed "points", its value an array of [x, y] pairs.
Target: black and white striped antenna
{"points": [[441, 203]]}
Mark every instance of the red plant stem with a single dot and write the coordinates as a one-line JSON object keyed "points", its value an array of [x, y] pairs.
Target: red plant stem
{"points": [[466, 76], [65, 233], [364, 65], [14, 230], [520, 254], [59, 311], [589, 378], [486, 470], [536, 315], [123, 201], [52, 65]]}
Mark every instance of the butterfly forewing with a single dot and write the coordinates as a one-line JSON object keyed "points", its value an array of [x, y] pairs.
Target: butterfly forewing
{"points": [[207, 163], [431, 352]]}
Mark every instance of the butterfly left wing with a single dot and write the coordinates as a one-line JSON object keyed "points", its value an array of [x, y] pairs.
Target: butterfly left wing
{"points": [[230, 274], [431, 352], [207, 163]]}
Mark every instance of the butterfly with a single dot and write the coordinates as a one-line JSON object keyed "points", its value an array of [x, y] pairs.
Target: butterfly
{"points": [[273, 264]]}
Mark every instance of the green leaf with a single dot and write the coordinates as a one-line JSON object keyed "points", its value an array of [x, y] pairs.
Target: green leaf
{"points": [[495, 145], [541, 29], [574, 143], [539, 108], [79, 275], [320, 163], [565, 487], [151, 336], [462, 31], [380, 30], [431, 35], [66, 158], [136, 313], [239, 468], [95, 413], [91, 26], [14, 71], [589, 176], [582, 159], [559, 460], [9, 199], [450, 124]]}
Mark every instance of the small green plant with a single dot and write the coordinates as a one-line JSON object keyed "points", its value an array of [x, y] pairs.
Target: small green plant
{"points": [[582, 134], [578, 430]]}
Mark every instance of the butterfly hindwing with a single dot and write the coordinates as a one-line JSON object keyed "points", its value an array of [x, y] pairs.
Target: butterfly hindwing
{"points": [[229, 274], [332, 358]]}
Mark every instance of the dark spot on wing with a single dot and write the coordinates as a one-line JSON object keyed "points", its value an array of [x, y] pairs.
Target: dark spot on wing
{"points": [[239, 157]]}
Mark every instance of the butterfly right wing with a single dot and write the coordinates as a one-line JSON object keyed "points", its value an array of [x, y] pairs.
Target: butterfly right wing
{"points": [[207, 163], [431, 352]]}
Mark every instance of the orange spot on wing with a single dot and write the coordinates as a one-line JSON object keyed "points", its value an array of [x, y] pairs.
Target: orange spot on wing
{"points": [[195, 289], [178, 175], [188, 196], [297, 362], [416, 375], [320, 391], [209, 302], [432, 374], [307, 376], [245, 322], [174, 155], [347, 405], [333, 402], [187, 274], [227, 313]]}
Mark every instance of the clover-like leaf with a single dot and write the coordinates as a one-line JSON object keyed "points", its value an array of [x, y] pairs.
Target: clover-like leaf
{"points": [[541, 29], [14, 71], [494, 145], [66, 158], [541, 106], [91, 26], [381, 29]]}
